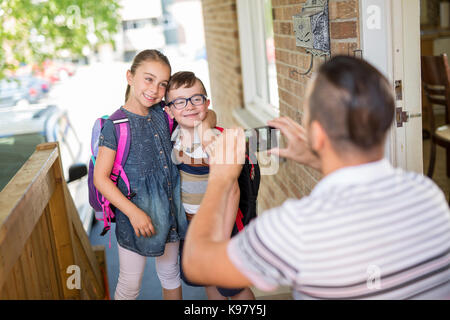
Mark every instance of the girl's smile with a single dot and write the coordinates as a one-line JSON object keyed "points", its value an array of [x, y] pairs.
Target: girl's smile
{"points": [[149, 98]]}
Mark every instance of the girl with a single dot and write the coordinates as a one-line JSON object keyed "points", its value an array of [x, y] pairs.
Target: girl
{"points": [[151, 223]]}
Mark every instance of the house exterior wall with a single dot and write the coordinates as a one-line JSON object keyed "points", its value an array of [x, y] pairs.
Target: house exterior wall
{"points": [[223, 50], [224, 61]]}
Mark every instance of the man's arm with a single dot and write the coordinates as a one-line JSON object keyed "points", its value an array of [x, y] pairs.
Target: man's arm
{"points": [[205, 258], [231, 210]]}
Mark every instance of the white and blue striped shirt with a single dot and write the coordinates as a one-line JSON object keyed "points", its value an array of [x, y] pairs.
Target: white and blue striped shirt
{"points": [[365, 232]]}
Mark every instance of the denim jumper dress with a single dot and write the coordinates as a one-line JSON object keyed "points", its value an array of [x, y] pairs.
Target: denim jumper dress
{"points": [[155, 180]]}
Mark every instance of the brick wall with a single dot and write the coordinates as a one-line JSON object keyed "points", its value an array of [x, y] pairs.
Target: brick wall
{"points": [[222, 44], [224, 59]]}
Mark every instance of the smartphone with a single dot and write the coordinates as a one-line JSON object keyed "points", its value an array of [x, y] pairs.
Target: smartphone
{"points": [[261, 139]]}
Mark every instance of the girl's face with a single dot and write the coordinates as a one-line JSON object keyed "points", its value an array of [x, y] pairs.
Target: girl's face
{"points": [[149, 82]]}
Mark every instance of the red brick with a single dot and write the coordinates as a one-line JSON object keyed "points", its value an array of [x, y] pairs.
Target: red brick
{"points": [[343, 30], [345, 48], [343, 9]]}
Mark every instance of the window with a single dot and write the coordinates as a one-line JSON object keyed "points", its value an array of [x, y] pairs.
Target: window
{"points": [[258, 58]]}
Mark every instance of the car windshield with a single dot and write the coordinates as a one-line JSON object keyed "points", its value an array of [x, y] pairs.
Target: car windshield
{"points": [[14, 152]]}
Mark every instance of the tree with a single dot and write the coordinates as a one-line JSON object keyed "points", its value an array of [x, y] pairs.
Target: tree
{"points": [[34, 30]]}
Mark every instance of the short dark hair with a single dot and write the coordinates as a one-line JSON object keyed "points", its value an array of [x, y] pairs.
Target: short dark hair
{"points": [[353, 102], [183, 79]]}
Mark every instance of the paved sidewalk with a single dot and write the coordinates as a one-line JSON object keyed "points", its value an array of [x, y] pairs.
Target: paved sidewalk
{"points": [[151, 287]]}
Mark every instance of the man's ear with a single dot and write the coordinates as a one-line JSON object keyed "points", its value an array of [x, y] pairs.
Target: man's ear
{"points": [[207, 103], [318, 136]]}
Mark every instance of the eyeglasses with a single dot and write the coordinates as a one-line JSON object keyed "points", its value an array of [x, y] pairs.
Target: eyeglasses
{"points": [[181, 103]]}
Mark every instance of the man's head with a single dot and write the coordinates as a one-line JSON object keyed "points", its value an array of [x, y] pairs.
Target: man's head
{"points": [[187, 99], [351, 103]]}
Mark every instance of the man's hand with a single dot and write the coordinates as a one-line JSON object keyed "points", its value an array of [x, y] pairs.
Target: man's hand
{"points": [[297, 148], [227, 155]]}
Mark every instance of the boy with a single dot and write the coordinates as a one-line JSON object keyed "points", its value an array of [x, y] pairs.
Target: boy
{"points": [[187, 102]]}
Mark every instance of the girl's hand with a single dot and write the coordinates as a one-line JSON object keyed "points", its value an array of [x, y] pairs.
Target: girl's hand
{"points": [[142, 223], [205, 128]]}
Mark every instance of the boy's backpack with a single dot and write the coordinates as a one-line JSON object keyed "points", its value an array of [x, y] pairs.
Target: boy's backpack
{"points": [[248, 181], [104, 210]]}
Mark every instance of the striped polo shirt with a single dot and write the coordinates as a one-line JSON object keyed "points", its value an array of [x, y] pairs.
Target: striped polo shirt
{"points": [[364, 232], [193, 166]]}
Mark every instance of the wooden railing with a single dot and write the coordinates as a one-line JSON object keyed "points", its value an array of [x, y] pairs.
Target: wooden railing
{"points": [[44, 251]]}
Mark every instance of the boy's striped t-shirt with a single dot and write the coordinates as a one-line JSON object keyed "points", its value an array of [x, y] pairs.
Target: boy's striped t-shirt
{"points": [[194, 180], [193, 166]]}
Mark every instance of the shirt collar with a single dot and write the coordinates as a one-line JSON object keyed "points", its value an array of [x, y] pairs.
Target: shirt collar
{"points": [[176, 135], [359, 174], [196, 151]]}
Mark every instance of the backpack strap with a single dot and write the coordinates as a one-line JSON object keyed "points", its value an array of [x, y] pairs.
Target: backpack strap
{"points": [[172, 123], [239, 223], [169, 121], [123, 134]]}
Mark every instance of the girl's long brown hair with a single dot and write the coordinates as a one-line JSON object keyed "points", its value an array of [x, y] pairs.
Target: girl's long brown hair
{"points": [[146, 55]]}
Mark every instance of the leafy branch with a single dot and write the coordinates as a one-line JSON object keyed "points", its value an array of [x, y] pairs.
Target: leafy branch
{"points": [[34, 30]]}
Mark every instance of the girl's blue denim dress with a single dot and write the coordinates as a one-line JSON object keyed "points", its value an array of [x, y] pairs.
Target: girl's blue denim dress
{"points": [[155, 180]]}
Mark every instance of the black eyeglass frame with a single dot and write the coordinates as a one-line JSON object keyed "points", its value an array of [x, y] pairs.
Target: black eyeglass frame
{"points": [[204, 98]]}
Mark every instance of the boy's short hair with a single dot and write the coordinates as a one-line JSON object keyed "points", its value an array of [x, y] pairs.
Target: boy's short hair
{"points": [[183, 79], [353, 102]]}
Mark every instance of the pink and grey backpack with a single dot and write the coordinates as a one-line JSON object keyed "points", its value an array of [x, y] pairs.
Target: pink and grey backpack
{"points": [[104, 210]]}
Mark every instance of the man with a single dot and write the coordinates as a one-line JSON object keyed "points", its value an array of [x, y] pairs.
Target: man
{"points": [[366, 231]]}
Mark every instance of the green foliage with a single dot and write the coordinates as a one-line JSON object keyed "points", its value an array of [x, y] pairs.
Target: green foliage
{"points": [[33, 30]]}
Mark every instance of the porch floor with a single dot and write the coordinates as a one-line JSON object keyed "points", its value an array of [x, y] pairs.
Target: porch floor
{"points": [[151, 287]]}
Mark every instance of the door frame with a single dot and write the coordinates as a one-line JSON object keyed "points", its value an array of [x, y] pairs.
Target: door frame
{"points": [[390, 40]]}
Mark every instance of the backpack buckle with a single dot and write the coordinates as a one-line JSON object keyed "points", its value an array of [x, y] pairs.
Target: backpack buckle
{"points": [[131, 195], [105, 230], [114, 177]]}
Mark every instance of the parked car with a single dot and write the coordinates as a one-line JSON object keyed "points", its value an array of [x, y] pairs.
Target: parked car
{"points": [[24, 88], [35, 88], [22, 129], [54, 71], [11, 92]]}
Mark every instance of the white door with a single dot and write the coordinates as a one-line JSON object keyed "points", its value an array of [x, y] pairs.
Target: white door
{"points": [[390, 39]]}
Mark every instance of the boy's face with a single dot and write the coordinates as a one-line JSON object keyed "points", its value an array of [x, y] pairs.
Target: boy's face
{"points": [[189, 116]]}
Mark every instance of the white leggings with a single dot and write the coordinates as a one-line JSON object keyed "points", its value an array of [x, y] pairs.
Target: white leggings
{"points": [[132, 267]]}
